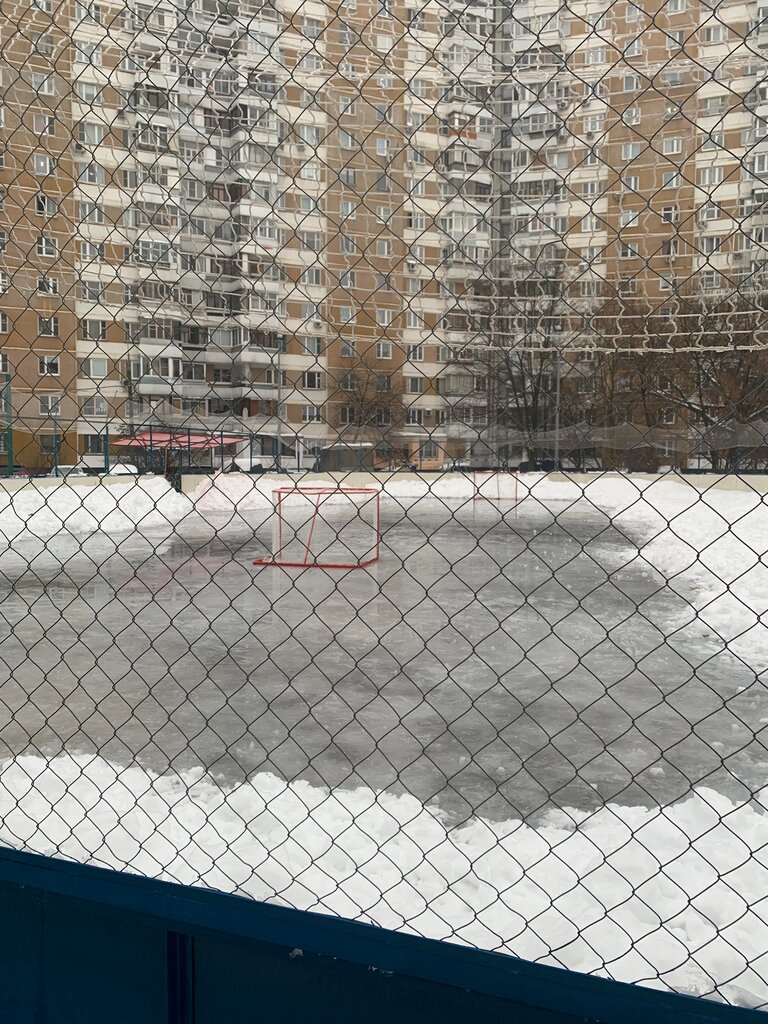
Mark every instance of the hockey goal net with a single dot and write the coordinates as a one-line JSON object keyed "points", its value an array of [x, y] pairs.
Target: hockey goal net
{"points": [[494, 485], [325, 528]]}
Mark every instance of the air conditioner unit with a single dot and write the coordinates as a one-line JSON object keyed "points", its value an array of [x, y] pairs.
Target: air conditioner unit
{"points": [[317, 323], [411, 264], [562, 104]]}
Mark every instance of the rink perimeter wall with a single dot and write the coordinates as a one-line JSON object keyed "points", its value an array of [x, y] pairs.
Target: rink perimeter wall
{"points": [[84, 944]]}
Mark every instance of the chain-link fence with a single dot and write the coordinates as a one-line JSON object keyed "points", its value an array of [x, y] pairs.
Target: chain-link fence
{"points": [[381, 386]]}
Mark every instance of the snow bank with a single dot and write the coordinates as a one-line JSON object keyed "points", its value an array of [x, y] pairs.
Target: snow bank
{"points": [[42, 512], [709, 544], [666, 897]]}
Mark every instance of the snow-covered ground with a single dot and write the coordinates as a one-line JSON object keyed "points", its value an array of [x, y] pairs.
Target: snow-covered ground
{"points": [[617, 625]]}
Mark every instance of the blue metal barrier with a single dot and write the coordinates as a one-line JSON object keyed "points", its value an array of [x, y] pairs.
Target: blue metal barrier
{"points": [[84, 944]]}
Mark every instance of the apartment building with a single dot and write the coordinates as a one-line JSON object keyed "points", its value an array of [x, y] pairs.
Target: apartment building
{"points": [[318, 222], [630, 175], [244, 217]]}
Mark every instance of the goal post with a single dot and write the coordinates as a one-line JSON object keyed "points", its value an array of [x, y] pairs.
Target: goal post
{"points": [[325, 528], [494, 485]]}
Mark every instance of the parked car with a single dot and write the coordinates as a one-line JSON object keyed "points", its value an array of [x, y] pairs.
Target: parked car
{"points": [[456, 466], [67, 471], [123, 469]]}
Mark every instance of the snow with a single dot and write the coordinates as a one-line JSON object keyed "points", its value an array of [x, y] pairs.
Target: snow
{"points": [[668, 896], [41, 512], [665, 897]]}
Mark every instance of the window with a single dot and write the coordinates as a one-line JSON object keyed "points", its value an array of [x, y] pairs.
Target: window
{"points": [[629, 218], [346, 314], [383, 417], [384, 317], [670, 247], [49, 405], [312, 275], [415, 353], [382, 148], [675, 6], [313, 380], [630, 150], [92, 174], [48, 326], [714, 34], [346, 140], [710, 175], [671, 179], [631, 116], [383, 247], [347, 208], [88, 53], [348, 279], [95, 406], [43, 164], [93, 444], [48, 366], [713, 105], [634, 49], [45, 206], [710, 244], [627, 251], [94, 367], [347, 348], [672, 145], [90, 12], [674, 39], [42, 83], [310, 414], [90, 251], [596, 55], [46, 247], [631, 83], [383, 349], [347, 414], [670, 214], [414, 417], [713, 140], [88, 93], [43, 124], [93, 330], [90, 134], [47, 286], [414, 385], [91, 291]]}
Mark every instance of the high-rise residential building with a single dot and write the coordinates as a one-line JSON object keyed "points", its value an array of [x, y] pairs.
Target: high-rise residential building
{"points": [[321, 221]]}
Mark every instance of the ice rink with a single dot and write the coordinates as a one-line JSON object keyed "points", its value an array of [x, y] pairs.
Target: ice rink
{"points": [[558, 663]]}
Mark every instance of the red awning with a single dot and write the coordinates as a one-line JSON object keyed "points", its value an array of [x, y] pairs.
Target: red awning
{"points": [[181, 439]]}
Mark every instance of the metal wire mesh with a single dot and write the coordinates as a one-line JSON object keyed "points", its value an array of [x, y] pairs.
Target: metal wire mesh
{"points": [[504, 264]]}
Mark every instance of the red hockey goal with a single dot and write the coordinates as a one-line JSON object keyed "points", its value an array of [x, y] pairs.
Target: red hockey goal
{"points": [[325, 528], [494, 485]]}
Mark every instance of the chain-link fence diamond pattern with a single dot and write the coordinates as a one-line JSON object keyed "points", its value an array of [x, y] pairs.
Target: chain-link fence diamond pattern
{"points": [[383, 437]]}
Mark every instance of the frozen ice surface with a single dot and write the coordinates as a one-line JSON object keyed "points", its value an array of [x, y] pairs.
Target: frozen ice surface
{"points": [[534, 727]]}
